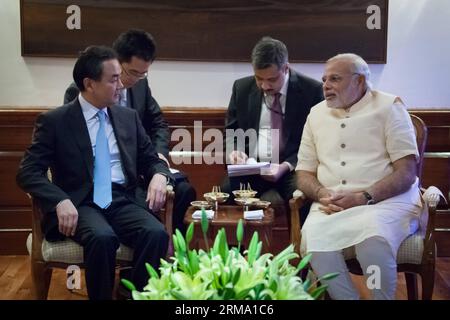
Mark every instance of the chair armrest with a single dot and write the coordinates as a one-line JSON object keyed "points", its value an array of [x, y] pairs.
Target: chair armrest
{"points": [[431, 196], [168, 210], [295, 204], [37, 235]]}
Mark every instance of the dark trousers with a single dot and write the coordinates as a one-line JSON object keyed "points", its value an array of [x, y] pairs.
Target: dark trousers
{"points": [[100, 232], [184, 195], [268, 191]]}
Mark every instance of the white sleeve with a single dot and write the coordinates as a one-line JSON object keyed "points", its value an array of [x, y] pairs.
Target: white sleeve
{"points": [[307, 154], [400, 134]]}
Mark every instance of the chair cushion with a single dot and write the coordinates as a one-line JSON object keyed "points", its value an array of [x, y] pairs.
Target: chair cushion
{"points": [[410, 250], [68, 251]]}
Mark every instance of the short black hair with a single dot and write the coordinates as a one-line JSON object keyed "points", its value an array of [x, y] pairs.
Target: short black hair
{"points": [[90, 64], [269, 51], [135, 42]]}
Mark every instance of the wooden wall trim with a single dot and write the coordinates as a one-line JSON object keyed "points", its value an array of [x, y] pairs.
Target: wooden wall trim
{"points": [[16, 126]]}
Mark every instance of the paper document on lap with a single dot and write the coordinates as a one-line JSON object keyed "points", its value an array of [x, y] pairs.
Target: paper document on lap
{"points": [[251, 167]]}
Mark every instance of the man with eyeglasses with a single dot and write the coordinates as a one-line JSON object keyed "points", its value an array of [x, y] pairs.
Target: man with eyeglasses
{"points": [[357, 161], [136, 50], [274, 103]]}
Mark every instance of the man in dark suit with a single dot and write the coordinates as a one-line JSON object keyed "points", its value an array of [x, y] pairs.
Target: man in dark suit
{"points": [[97, 155], [136, 51], [273, 105]]}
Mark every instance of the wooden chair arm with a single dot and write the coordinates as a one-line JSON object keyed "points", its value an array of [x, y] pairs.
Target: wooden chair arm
{"points": [[429, 244], [295, 204], [168, 210], [37, 236]]}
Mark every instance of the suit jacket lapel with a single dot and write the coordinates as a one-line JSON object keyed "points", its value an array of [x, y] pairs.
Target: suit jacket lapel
{"points": [[254, 107], [294, 104], [120, 132], [129, 97], [78, 127]]}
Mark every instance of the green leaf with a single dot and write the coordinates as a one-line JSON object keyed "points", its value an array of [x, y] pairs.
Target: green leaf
{"points": [[243, 294], [181, 243], [304, 262], [319, 291], [307, 284], [176, 247], [194, 261], [204, 222], [128, 284], [240, 232], [236, 276], [136, 295], [178, 296], [151, 271], [229, 294], [252, 248], [258, 250], [329, 276], [223, 246], [189, 233]]}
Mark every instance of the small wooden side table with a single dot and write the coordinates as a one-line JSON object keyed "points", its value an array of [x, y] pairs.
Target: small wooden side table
{"points": [[228, 217]]}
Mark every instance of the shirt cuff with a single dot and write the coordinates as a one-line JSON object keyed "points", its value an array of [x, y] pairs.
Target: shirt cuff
{"points": [[291, 167]]}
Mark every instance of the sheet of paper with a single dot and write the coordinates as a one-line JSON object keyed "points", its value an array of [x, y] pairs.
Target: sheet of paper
{"points": [[254, 215], [250, 168], [198, 214]]}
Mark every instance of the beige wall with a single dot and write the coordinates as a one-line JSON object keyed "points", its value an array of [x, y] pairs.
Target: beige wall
{"points": [[418, 66]]}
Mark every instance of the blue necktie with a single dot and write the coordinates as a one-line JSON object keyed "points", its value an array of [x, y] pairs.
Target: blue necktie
{"points": [[102, 166]]}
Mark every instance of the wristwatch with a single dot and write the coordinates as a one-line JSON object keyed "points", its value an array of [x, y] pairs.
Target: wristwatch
{"points": [[369, 198]]}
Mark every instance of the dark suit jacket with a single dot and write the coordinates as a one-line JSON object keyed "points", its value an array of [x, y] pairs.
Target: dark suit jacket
{"points": [[139, 98], [61, 142], [244, 110]]}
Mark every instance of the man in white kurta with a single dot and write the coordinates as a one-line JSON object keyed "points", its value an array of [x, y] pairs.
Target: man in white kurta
{"points": [[357, 160]]}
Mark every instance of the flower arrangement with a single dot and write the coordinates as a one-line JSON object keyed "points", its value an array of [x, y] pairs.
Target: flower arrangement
{"points": [[223, 273]]}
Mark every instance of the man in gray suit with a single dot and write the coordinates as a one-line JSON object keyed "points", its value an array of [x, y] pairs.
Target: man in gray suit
{"points": [[136, 50], [275, 99]]}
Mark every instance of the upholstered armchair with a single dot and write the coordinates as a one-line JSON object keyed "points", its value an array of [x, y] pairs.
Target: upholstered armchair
{"points": [[47, 255]]}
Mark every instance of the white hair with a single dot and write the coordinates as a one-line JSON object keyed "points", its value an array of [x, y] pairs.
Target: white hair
{"points": [[358, 65]]}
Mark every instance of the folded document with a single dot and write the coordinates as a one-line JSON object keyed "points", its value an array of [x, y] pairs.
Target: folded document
{"points": [[254, 215], [250, 168], [198, 214]]}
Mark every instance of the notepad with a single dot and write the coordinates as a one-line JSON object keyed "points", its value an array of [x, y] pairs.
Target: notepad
{"points": [[251, 167], [198, 214], [254, 215]]}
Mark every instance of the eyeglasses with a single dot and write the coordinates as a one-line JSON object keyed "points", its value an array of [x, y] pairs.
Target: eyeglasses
{"points": [[134, 74], [334, 79]]}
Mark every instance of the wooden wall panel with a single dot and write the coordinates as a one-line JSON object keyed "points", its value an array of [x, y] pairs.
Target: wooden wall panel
{"points": [[16, 127], [10, 195], [436, 172], [213, 30], [13, 242]]}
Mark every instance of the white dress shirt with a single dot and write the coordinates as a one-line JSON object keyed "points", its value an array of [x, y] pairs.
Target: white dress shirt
{"points": [[264, 134], [93, 123]]}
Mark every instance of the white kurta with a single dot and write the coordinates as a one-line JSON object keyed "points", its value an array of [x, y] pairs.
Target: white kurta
{"points": [[350, 151]]}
